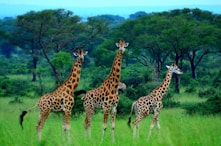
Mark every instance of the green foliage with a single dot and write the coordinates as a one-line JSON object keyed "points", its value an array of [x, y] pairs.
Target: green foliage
{"points": [[207, 93], [62, 62], [191, 87], [213, 103], [15, 100], [131, 93], [11, 87], [168, 101], [217, 80], [113, 20], [14, 65], [78, 106], [104, 54], [61, 59], [124, 105], [98, 75], [211, 106]]}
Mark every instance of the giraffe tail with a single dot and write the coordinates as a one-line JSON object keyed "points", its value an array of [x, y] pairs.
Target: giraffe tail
{"points": [[79, 92], [131, 112], [21, 117]]}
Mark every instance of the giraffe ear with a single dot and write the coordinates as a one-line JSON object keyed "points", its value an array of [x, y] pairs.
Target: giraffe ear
{"points": [[126, 44], [75, 54], [85, 53], [117, 44], [167, 66]]}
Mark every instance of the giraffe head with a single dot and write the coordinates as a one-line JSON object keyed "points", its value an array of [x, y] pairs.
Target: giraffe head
{"points": [[122, 45], [80, 53], [121, 86], [174, 69]]}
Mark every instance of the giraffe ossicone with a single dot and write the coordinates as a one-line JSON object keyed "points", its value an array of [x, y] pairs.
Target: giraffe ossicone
{"points": [[106, 95], [61, 99], [152, 103]]}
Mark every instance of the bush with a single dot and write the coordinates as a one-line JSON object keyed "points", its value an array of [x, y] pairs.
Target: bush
{"points": [[186, 79], [124, 105], [211, 106], [131, 93], [168, 101], [191, 87], [78, 106], [16, 100], [217, 80], [207, 93], [142, 89], [10, 87]]}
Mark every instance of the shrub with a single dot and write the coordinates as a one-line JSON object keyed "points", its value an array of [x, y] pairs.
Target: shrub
{"points": [[191, 87], [16, 87], [207, 93], [16, 100], [131, 93], [217, 80], [78, 106], [124, 105], [211, 106], [168, 101]]}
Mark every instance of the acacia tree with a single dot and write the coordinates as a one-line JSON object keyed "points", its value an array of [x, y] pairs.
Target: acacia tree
{"points": [[145, 39], [47, 32], [177, 34], [175, 38], [192, 34], [6, 26], [199, 44], [24, 36], [153, 42]]}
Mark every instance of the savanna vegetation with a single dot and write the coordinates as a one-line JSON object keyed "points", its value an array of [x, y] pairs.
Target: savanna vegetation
{"points": [[36, 57]]}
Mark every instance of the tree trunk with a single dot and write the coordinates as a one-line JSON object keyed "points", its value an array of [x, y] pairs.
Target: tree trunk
{"points": [[193, 70], [177, 88], [56, 73], [35, 60]]}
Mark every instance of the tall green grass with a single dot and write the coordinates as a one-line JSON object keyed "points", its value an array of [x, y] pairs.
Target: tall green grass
{"points": [[177, 129]]}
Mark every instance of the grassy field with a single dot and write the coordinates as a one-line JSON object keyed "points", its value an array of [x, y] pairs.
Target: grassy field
{"points": [[177, 129]]}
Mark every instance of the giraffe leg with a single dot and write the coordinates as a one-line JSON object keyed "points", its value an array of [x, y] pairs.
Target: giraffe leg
{"points": [[43, 116], [158, 127], [113, 116], [136, 126], [136, 130], [140, 114], [87, 121], [66, 123], [154, 120], [106, 114]]}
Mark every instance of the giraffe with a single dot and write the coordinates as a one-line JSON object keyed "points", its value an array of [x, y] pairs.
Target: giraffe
{"points": [[106, 95], [152, 103], [121, 86], [61, 99]]}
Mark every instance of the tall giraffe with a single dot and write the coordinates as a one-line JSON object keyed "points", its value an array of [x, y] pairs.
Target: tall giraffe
{"points": [[61, 99], [106, 95], [152, 103]]}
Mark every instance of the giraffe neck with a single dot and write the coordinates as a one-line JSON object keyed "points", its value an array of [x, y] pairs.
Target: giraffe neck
{"points": [[165, 85], [113, 79], [71, 83]]}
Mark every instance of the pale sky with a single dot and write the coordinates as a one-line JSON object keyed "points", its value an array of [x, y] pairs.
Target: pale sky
{"points": [[92, 3], [87, 8]]}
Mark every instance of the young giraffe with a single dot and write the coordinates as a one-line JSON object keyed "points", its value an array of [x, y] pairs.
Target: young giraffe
{"points": [[152, 103], [106, 95], [61, 99]]}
